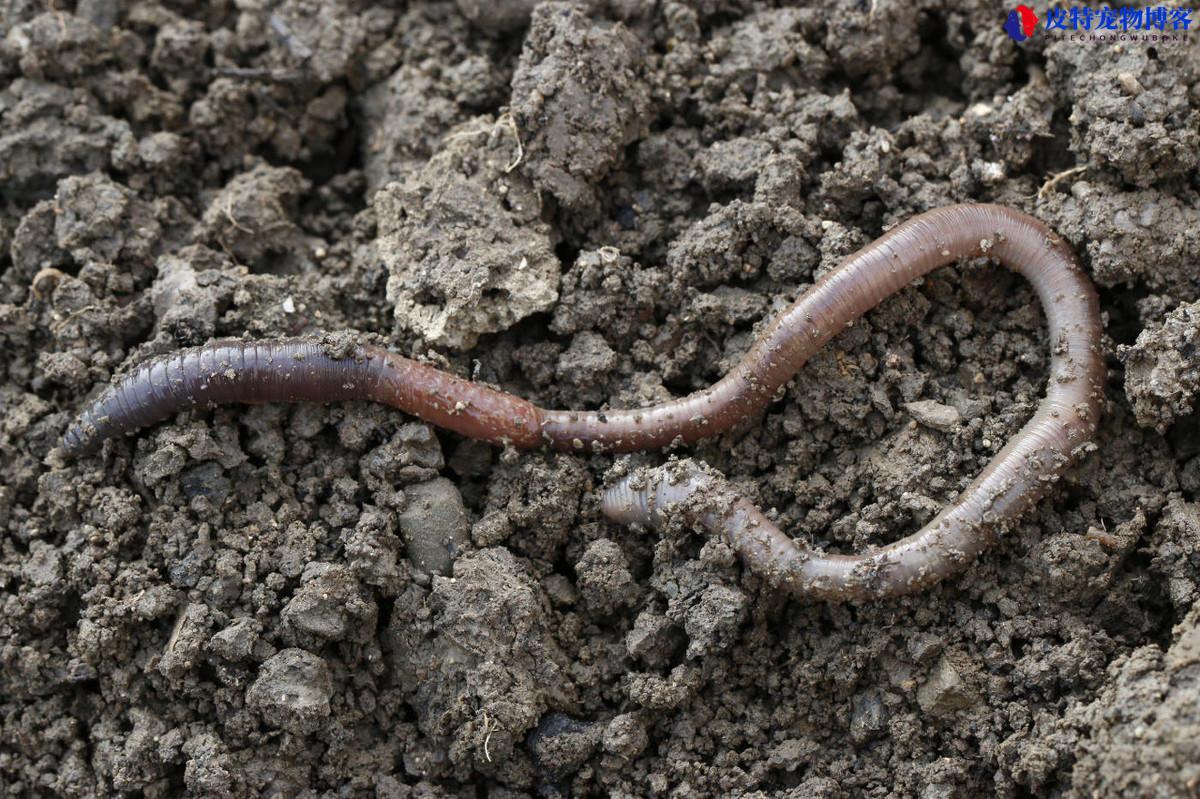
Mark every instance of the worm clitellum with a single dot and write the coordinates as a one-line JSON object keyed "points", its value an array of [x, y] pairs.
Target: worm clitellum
{"points": [[291, 370]]}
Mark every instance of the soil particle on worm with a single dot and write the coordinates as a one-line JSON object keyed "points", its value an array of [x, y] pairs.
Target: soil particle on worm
{"points": [[589, 204]]}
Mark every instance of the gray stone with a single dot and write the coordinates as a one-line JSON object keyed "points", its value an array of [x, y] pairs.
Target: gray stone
{"points": [[560, 744], [603, 577], [712, 623], [625, 736], [434, 525], [945, 691], [869, 717], [292, 691], [654, 638], [933, 414], [331, 606]]}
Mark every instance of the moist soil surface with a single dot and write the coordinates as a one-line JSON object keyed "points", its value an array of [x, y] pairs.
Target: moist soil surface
{"points": [[589, 205]]}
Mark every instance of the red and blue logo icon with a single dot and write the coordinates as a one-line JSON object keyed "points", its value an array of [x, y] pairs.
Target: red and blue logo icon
{"points": [[1020, 23]]}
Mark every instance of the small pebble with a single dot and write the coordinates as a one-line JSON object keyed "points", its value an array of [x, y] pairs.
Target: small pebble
{"points": [[712, 623], [933, 414], [654, 639], [560, 744], [945, 691], [434, 525], [235, 642], [292, 691], [331, 606], [603, 577], [868, 719], [625, 736]]}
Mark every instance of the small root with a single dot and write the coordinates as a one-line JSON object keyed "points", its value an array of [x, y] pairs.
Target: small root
{"points": [[1054, 180], [505, 121], [233, 220], [45, 281]]}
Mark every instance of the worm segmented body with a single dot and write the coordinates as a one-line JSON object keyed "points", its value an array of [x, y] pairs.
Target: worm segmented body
{"points": [[271, 371], [299, 371]]}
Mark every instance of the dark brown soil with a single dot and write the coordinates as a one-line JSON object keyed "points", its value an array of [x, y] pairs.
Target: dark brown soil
{"points": [[585, 204]]}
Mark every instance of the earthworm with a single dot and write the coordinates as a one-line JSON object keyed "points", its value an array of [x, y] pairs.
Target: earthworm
{"points": [[295, 370]]}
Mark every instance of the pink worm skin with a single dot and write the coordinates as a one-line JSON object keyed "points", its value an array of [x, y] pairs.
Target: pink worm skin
{"points": [[292, 370]]}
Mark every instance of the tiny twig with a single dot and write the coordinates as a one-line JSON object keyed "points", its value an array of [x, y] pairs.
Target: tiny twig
{"points": [[505, 120], [1054, 180]]}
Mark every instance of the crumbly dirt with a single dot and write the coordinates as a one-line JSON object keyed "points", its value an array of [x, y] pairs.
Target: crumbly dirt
{"points": [[586, 204]]}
